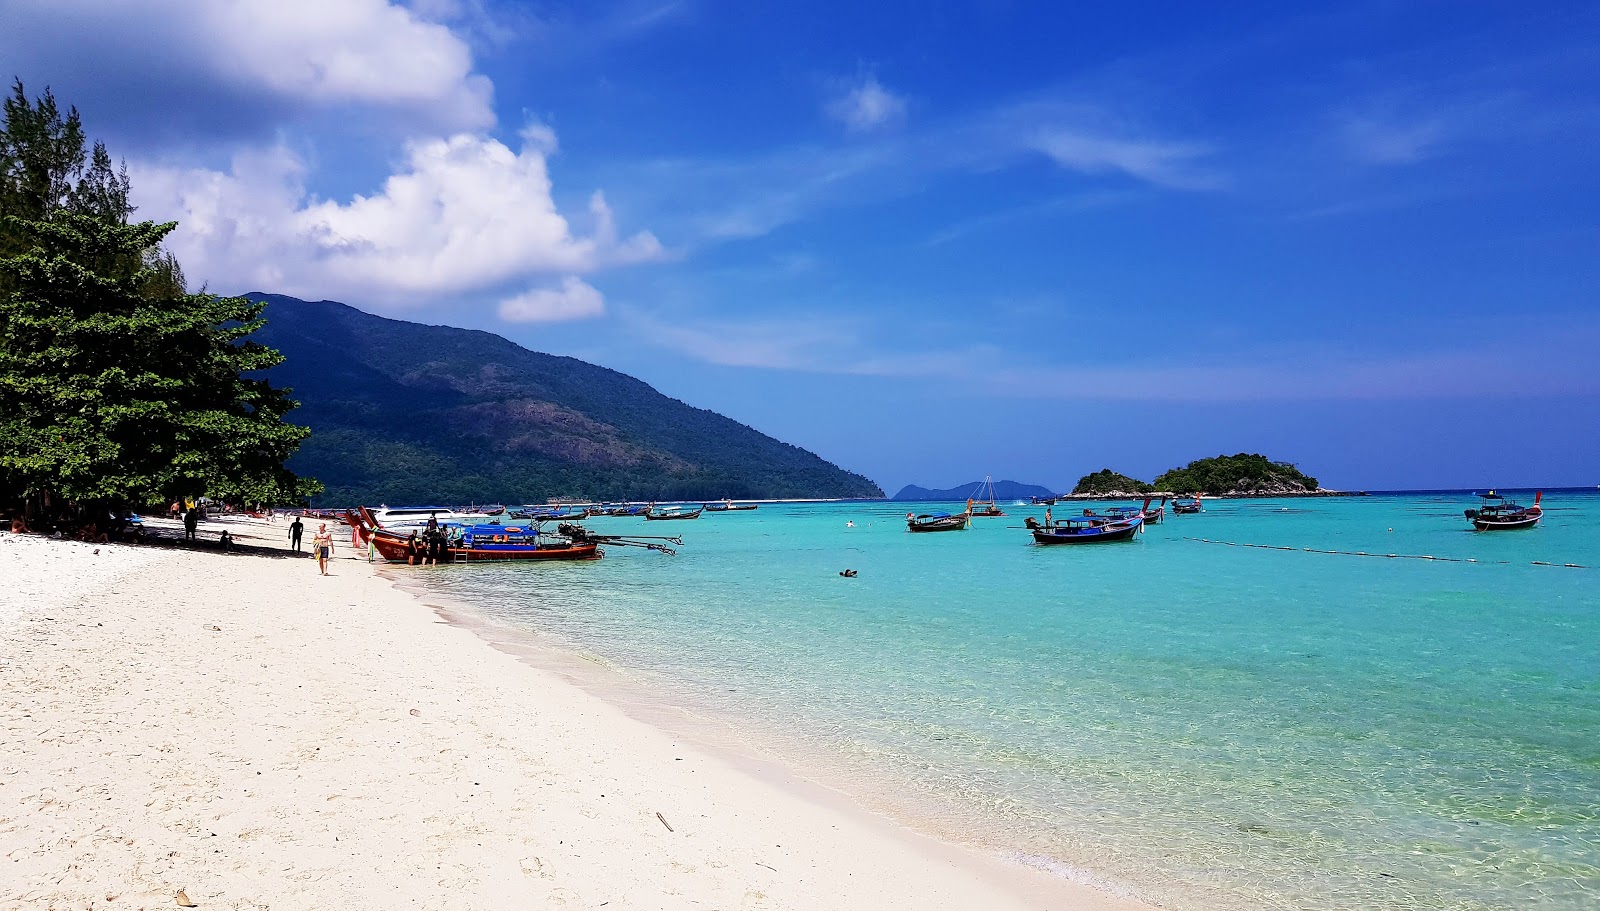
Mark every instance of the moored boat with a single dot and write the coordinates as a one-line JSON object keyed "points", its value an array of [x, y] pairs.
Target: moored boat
{"points": [[673, 512], [409, 517], [472, 543], [986, 508], [729, 506], [1500, 514], [1184, 506], [1086, 529], [1155, 516], [936, 521], [492, 543]]}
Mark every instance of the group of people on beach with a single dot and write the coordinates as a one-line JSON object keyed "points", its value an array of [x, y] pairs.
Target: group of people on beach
{"points": [[429, 548]]}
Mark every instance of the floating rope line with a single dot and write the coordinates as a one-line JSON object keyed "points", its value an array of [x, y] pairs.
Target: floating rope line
{"points": [[1362, 553]]}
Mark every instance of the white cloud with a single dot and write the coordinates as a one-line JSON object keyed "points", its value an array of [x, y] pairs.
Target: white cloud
{"points": [[867, 107], [1160, 162], [318, 53], [573, 300], [464, 214]]}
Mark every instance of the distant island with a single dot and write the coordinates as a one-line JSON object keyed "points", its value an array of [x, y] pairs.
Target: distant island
{"points": [[1108, 483], [1246, 474], [405, 413], [1004, 490]]}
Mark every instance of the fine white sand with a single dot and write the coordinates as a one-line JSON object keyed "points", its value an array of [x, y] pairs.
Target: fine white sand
{"points": [[258, 736]]}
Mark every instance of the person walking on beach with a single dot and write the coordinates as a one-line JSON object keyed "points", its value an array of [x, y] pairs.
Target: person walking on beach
{"points": [[322, 546], [296, 529], [191, 521]]}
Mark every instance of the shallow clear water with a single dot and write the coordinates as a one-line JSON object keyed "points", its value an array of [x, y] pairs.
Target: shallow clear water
{"points": [[1207, 726]]}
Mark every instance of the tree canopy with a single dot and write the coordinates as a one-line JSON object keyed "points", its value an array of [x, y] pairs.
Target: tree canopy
{"points": [[1242, 473], [1106, 481], [117, 387]]}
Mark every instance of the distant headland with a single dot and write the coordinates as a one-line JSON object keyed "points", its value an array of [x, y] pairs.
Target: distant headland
{"points": [[1004, 490]]}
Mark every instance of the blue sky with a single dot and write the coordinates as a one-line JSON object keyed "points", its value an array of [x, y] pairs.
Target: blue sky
{"points": [[930, 241]]}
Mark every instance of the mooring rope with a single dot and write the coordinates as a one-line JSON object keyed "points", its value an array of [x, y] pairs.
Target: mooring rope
{"points": [[1362, 553]]}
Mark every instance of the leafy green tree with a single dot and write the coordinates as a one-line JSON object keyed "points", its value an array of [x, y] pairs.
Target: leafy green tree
{"points": [[1245, 472], [116, 386], [1106, 481]]}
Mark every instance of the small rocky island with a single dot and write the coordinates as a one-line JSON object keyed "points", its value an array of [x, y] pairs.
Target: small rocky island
{"points": [[1242, 475]]}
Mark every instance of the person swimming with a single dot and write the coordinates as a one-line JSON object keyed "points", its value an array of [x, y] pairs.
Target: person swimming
{"points": [[848, 573]]}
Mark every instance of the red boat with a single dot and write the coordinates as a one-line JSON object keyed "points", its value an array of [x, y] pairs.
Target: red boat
{"points": [[480, 543]]}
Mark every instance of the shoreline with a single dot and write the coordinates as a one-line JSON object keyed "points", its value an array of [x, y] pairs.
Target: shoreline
{"points": [[281, 720], [775, 756]]}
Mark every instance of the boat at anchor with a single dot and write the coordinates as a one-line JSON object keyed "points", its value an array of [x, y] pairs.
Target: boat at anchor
{"points": [[936, 521], [1500, 514], [494, 543], [1086, 529]]}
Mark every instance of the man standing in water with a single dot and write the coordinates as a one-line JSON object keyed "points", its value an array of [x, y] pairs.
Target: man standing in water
{"points": [[322, 546], [295, 531]]}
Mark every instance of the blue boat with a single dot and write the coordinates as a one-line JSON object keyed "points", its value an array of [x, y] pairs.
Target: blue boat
{"points": [[1090, 529]]}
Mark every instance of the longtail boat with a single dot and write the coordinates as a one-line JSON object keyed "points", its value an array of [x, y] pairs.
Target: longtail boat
{"points": [[497, 543], [673, 512], [1155, 516], [729, 506], [1086, 529], [936, 521], [1184, 506], [1500, 514]]}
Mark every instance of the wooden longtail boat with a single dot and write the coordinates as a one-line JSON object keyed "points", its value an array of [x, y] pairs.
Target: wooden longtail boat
{"points": [[936, 521], [729, 506], [1500, 514], [1089, 529], [477, 543], [1184, 506], [674, 513], [500, 543]]}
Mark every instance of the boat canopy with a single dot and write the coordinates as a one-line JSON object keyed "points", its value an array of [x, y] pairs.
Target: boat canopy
{"points": [[508, 532]]}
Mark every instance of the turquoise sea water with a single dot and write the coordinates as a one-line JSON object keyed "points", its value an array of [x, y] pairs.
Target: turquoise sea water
{"points": [[1203, 726]]}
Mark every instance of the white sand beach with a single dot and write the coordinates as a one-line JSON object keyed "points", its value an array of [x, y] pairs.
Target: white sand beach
{"points": [[253, 735]]}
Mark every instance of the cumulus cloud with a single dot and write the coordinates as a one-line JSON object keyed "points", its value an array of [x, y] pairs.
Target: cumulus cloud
{"points": [[284, 54], [867, 106], [465, 213], [573, 299]]}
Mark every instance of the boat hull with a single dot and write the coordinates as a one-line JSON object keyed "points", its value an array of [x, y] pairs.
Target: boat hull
{"points": [[666, 516], [1506, 524]]}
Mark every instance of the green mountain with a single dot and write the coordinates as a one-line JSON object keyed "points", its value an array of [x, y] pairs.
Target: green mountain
{"points": [[1244, 474], [406, 413]]}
